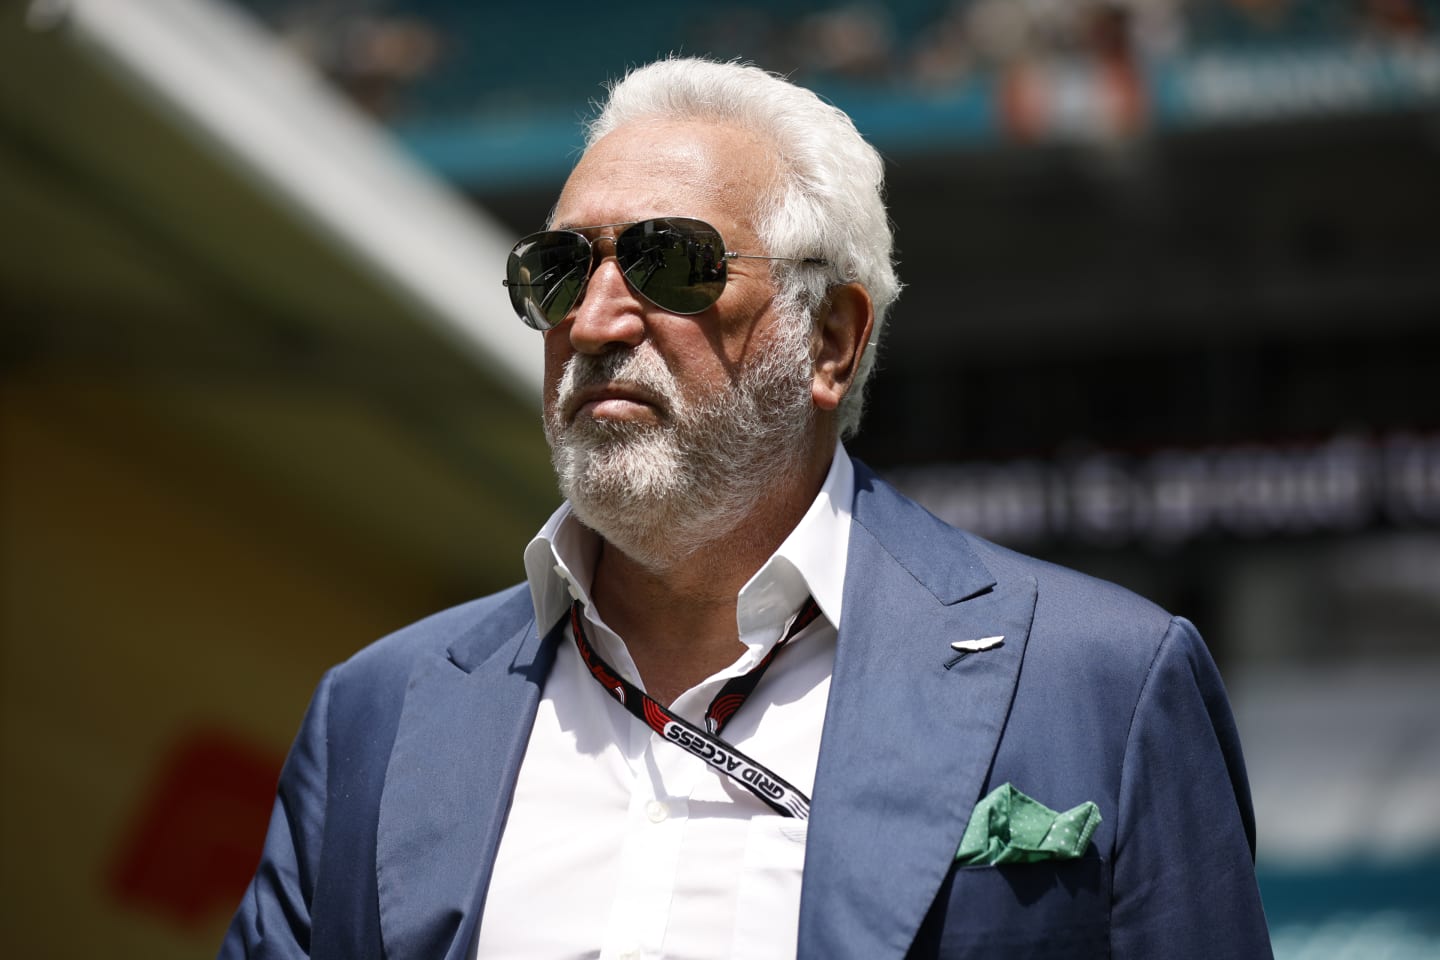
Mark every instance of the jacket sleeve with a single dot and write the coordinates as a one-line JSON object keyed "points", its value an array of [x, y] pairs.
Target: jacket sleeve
{"points": [[1184, 868], [273, 920]]}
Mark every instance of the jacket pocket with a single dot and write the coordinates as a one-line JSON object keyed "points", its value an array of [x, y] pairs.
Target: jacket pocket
{"points": [[1054, 908]]}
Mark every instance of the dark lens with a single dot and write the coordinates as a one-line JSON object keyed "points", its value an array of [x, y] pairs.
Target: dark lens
{"points": [[676, 262], [546, 274]]}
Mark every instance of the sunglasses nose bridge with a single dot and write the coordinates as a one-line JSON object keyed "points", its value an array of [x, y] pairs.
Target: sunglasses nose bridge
{"points": [[601, 249], [597, 257], [599, 323], [598, 244]]}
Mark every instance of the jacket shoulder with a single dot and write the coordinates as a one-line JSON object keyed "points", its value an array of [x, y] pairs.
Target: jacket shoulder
{"points": [[1090, 606], [1080, 608]]}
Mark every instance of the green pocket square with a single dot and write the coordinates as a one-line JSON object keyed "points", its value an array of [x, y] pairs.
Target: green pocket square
{"points": [[1009, 827]]}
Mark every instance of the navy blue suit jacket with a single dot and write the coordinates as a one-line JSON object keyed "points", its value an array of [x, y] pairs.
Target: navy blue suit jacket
{"points": [[392, 801]]}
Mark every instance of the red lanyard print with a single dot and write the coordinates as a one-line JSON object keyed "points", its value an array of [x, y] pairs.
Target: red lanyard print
{"points": [[783, 797]]}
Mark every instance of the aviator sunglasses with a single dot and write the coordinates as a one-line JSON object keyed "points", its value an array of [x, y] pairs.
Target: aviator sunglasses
{"points": [[676, 263]]}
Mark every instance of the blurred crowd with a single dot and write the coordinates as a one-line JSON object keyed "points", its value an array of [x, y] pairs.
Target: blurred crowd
{"points": [[387, 52], [970, 36]]}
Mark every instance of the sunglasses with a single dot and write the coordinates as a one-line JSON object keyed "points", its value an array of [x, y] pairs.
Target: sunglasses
{"points": [[676, 263]]}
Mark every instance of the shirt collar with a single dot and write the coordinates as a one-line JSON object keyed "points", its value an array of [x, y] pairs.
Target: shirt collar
{"points": [[560, 562], [810, 561]]}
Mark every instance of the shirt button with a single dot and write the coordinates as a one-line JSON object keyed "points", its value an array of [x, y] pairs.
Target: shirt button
{"points": [[657, 812]]}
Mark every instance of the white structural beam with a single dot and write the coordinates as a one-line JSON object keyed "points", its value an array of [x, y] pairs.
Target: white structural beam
{"points": [[268, 116]]}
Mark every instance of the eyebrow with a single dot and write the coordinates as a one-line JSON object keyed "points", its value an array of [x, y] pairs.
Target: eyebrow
{"points": [[584, 228]]}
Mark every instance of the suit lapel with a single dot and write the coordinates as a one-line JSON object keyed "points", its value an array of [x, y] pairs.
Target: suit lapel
{"points": [[461, 737], [910, 727]]}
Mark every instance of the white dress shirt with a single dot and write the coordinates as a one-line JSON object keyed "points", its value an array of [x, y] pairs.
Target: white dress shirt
{"points": [[621, 845]]}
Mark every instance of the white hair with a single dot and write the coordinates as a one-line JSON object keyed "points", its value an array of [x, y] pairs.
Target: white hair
{"points": [[831, 203]]}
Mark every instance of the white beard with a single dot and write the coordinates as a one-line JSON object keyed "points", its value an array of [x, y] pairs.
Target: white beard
{"points": [[659, 492]]}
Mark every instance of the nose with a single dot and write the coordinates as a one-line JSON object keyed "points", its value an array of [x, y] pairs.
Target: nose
{"points": [[609, 313]]}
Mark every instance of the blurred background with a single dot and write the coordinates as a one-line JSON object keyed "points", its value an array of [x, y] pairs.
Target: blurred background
{"points": [[1172, 316]]}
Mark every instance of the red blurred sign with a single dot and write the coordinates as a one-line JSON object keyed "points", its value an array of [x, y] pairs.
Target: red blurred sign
{"points": [[195, 841]]}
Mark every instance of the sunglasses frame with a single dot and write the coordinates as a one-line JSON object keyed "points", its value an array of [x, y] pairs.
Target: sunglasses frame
{"points": [[535, 318]]}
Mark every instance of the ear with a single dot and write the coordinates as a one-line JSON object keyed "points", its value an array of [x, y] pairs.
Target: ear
{"points": [[842, 332]]}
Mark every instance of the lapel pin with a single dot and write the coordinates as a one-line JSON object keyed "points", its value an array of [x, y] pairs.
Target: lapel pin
{"points": [[974, 646]]}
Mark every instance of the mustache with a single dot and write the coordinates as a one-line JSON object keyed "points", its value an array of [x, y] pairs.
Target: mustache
{"points": [[641, 369]]}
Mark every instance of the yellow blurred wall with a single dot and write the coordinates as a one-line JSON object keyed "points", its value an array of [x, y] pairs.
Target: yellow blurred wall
{"points": [[147, 592]]}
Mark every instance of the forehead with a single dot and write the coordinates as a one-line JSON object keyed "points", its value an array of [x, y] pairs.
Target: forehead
{"points": [[716, 172]]}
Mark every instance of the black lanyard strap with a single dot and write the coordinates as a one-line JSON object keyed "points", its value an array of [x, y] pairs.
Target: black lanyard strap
{"points": [[780, 795]]}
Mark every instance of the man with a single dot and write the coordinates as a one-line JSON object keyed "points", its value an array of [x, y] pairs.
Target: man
{"points": [[729, 617]]}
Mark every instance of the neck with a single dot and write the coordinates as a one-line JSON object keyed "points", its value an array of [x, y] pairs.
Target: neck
{"points": [[677, 614]]}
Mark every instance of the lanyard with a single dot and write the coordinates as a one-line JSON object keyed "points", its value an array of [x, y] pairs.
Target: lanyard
{"points": [[783, 797]]}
